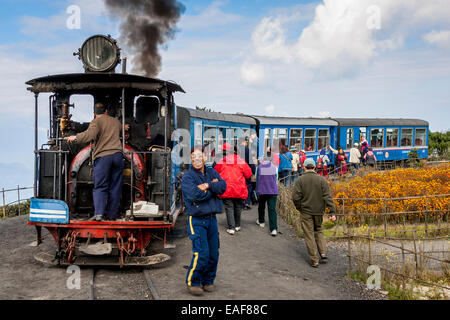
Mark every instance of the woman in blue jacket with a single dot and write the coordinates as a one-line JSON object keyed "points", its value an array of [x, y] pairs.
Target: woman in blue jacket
{"points": [[285, 168], [201, 187]]}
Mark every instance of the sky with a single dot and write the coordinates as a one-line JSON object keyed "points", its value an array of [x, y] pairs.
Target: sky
{"points": [[327, 58]]}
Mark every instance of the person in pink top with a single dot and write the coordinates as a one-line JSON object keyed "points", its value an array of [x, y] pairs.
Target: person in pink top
{"points": [[370, 158]]}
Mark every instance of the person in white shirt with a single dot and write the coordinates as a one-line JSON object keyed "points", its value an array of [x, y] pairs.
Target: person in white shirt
{"points": [[355, 155], [322, 164], [295, 161]]}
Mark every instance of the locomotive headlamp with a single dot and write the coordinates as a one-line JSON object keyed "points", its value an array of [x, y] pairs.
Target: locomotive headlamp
{"points": [[99, 54]]}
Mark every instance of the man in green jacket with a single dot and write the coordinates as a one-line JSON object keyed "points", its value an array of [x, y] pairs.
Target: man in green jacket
{"points": [[311, 196]]}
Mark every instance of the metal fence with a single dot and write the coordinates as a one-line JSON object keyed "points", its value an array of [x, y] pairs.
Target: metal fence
{"points": [[381, 166], [17, 203], [424, 265]]}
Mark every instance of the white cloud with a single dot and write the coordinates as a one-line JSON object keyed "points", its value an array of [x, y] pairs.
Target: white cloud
{"points": [[269, 109], [439, 38], [270, 41], [345, 35], [252, 73]]}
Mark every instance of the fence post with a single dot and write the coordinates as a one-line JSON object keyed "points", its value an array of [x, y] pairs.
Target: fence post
{"points": [[415, 254], [404, 270], [18, 198], [370, 245], [349, 246], [385, 214], [4, 204], [426, 213]]}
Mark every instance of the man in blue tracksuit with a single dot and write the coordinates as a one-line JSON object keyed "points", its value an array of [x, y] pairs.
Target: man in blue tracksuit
{"points": [[201, 187]]}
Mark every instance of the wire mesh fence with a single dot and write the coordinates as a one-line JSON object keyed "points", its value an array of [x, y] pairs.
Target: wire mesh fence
{"points": [[417, 267], [410, 247]]}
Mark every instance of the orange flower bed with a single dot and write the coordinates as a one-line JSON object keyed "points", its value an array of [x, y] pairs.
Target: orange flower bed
{"points": [[383, 189]]}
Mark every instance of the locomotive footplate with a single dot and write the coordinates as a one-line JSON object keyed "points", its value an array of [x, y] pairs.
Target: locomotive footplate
{"points": [[48, 258], [113, 243]]}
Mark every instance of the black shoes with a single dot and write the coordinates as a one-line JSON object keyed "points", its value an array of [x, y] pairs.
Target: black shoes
{"points": [[323, 259]]}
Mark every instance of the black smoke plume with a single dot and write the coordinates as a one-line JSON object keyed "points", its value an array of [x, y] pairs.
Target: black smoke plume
{"points": [[145, 26]]}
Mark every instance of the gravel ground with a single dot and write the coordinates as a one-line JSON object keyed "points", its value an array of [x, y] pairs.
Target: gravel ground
{"points": [[253, 266]]}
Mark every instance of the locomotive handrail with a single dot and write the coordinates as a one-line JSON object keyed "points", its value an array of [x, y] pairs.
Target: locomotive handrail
{"points": [[23, 188], [52, 151]]}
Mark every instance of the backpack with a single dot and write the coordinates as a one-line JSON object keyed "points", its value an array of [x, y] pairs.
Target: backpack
{"points": [[371, 159]]}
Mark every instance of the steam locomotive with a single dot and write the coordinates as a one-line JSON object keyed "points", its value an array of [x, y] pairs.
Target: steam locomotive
{"points": [[155, 150]]}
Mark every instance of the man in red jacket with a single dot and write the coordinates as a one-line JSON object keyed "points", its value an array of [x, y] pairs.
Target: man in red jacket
{"points": [[234, 170]]}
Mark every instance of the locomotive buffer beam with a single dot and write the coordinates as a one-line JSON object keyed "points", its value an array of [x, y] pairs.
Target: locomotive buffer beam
{"points": [[98, 261]]}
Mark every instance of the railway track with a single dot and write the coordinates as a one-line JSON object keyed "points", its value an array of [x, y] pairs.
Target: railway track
{"points": [[111, 277]]}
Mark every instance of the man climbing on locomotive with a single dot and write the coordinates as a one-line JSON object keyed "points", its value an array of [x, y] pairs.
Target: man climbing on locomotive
{"points": [[108, 159]]}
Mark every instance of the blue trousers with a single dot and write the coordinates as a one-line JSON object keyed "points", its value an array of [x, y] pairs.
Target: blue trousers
{"points": [[108, 179], [285, 174], [248, 201], [204, 234]]}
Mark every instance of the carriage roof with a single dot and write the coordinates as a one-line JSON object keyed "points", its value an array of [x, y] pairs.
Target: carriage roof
{"points": [[99, 80], [374, 122], [218, 116], [294, 121]]}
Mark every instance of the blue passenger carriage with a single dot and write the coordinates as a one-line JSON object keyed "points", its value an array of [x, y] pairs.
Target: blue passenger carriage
{"points": [[309, 134], [390, 139], [213, 129]]}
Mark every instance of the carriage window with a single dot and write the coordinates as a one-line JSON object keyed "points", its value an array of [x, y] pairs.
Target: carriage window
{"points": [[349, 139], [324, 139], [376, 138], [407, 136], [267, 133], [421, 137], [232, 136], [280, 135], [221, 138], [209, 141], [362, 133], [295, 139], [392, 138], [310, 140], [246, 132], [198, 133]]}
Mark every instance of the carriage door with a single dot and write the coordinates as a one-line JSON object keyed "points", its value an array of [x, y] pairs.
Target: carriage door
{"points": [[362, 134]]}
